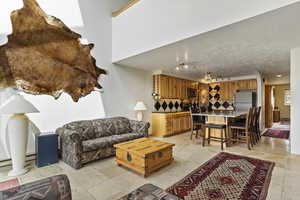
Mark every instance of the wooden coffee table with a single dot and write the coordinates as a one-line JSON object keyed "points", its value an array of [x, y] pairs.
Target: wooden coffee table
{"points": [[144, 155]]}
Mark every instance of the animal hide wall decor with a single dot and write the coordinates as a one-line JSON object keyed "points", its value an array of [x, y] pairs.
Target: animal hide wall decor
{"points": [[43, 56]]}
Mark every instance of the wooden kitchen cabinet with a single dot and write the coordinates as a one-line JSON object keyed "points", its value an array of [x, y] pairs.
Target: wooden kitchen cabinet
{"points": [[247, 84], [169, 87], [167, 124], [229, 88]]}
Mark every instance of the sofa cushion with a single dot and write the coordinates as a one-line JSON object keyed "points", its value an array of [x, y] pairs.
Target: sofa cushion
{"points": [[84, 128], [111, 126], [103, 127], [103, 142], [121, 125]]}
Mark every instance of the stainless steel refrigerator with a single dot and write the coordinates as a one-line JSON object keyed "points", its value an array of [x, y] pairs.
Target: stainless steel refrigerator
{"points": [[245, 99]]}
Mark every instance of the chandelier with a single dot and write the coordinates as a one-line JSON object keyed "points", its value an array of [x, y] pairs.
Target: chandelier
{"points": [[182, 66], [209, 78]]}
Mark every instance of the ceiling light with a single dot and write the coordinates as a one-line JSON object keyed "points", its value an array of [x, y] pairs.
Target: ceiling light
{"points": [[185, 66], [177, 68], [279, 75], [208, 78]]}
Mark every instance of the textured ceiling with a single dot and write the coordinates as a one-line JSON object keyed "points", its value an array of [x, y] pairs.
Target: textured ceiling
{"points": [[261, 43]]}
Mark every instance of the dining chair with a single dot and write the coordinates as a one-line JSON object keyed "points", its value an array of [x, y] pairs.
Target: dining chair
{"points": [[197, 123], [243, 131], [257, 125]]}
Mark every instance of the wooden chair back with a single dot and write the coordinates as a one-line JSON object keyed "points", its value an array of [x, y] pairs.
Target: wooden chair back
{"points": [[250, 119], [258, 116]]}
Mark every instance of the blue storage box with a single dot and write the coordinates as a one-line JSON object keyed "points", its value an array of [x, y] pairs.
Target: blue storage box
{"points": [[46, 146]]}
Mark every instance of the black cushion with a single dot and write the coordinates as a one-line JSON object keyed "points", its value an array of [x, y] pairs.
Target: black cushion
{"points": [[199, 119], [217, 126], [238, 124]]}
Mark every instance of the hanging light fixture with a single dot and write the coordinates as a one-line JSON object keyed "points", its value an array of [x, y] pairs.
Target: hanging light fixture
{"points": [[208, 78], [182, 66]]}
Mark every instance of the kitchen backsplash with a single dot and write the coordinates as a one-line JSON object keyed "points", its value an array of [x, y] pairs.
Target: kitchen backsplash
{"points": [[168, 105], [215, 102]]}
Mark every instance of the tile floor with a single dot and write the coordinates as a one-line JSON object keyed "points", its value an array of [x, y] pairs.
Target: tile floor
{"points": [[103, 179]]}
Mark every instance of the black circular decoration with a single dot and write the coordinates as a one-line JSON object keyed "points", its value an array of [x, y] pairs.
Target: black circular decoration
{"points": [[157, 105], [217, 96], [217, 105], [129, 158], [160, 154], [164, 105], [217, 88], [171, 105], [176, 105], [226, 104]]}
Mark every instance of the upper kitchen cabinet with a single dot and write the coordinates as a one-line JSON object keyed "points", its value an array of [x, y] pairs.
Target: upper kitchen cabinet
{"points": [[229, 88], [247, 85], [169, 87]]}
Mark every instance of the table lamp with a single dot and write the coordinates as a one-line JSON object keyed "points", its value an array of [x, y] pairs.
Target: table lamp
{"points": [[140, 107], [17, 130]]}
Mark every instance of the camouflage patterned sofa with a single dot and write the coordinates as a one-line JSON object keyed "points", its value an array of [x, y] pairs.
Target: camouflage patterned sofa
{"points": [[85, 141]]}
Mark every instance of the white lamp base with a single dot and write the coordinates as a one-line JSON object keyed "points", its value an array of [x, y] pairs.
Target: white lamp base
{"points": [[18, 172], [139, 116], [18, 135]]}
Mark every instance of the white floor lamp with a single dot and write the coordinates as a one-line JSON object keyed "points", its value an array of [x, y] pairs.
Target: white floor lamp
{"points": [[17, 128]]}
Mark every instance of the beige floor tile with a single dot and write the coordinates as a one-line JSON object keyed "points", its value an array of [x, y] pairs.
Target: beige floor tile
{"points": [[104, 179]]}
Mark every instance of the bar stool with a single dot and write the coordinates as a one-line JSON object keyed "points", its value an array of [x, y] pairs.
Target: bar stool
{"points": [[244, 131], [197, 123], [223, 139]]}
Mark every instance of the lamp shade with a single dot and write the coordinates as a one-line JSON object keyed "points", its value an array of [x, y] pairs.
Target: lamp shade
{"points": [[140, 106], [17, 105]]}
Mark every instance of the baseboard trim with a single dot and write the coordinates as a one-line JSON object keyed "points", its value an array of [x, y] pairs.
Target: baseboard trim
{"points": [[7, 162]]}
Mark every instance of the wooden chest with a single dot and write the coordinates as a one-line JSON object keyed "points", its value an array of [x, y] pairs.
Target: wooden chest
{"points": [[144, 155]]}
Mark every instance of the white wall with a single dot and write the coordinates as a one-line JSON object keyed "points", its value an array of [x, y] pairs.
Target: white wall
{"points": [[295, 99], [122, 87], [156, 23], [71, 18], [261, 98]]}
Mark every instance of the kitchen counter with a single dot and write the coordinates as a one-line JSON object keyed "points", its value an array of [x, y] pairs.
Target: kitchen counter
{"points": [[225, 114], [179, 112]]}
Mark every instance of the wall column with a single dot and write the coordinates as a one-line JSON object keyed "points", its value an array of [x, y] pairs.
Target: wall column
{"points": [[295, 99]]}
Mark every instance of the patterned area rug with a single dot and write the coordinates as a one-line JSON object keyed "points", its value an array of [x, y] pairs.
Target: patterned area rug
{"points": [[282, 134], [285, 122], [9, 184], [226, 177]]}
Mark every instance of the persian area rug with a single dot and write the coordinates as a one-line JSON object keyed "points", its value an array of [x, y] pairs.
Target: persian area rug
{"points": [[5, 185], [226, 177], [282, 134], [285, 122]]}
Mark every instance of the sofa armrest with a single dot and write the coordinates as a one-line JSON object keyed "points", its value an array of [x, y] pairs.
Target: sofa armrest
{"points": [[140, 127], [69, 135], [56, 187], [70, 147]]}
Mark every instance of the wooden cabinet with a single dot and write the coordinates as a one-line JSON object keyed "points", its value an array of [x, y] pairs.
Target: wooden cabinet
{"points": [[276, 116], [247, 84], [229, 88], [169, 87], [166, 124]]}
